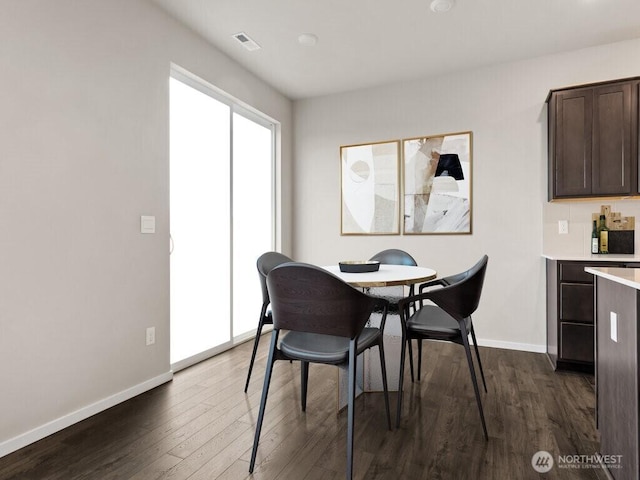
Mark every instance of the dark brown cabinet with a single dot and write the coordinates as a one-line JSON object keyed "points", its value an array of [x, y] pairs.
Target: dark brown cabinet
{"points": [[593, 140], [570, 314]]}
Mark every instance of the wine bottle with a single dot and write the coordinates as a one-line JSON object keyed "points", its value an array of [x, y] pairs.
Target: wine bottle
{"points": [[603, 235], [595, 242]]}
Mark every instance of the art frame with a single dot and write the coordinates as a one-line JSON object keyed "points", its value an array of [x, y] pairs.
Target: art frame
{"points": [[437, 180], [370, 188]]}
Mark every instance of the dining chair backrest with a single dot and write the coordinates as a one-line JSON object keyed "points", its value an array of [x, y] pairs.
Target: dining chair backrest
{"points": [[461, 299], [267, 262], [455, 278], [307, 298], [394, 256]]}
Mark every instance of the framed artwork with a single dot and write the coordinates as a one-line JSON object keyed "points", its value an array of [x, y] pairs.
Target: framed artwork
{"points": [[437, 184], [370, 183]]}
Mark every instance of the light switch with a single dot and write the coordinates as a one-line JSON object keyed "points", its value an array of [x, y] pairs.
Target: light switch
{"points": [[147, 224], [614, 326]]}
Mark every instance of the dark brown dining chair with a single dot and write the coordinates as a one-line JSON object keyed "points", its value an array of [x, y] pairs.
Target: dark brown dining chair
{"points": [[266, 262], [447, 319], [442, 282], [325, 320]]}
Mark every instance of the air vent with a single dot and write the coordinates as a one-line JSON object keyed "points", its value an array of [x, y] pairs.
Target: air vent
{"points": [[440, 6], [246, 42]]}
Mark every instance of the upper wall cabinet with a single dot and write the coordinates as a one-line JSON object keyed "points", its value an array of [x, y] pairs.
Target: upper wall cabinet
{"points": [[593, 140]]}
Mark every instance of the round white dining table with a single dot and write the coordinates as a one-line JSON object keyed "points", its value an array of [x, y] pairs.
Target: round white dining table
{"points": [[386, 276], [369, 376]]}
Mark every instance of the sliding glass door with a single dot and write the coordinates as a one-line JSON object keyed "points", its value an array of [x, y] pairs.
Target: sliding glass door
{"points": [[222, 217], [253, 215]]}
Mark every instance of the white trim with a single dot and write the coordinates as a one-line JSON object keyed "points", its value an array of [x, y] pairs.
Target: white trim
{"points": [[61, 423], [523, 347], [217, 350], [200, 84], [201, 356]]}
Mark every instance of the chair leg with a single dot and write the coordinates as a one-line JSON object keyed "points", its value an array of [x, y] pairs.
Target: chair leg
{"points": [[263, 313], [351, 406], [475, 345], [419, 357], [383, 369], [472, 370], [304, 381], [411, 359], [263, 400], [403, 349]]}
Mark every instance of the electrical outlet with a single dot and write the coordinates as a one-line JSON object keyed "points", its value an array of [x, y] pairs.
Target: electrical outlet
{"points": [[151, 335], [563, 227]]}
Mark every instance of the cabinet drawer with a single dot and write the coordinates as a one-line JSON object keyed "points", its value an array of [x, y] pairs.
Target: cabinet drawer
{"points": [[576, 342], [574, 272], [576, 302]]}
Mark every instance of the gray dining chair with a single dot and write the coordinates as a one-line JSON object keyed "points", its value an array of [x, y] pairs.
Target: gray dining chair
{"points": [[447, 318], [394, 256], [266, 262], [325, 319]]}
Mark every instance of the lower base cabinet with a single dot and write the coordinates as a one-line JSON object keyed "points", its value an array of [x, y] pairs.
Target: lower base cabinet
{"points": [[576, 343], [570, 314]]}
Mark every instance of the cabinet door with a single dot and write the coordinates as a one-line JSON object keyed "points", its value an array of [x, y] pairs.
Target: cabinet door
{"points": [[572, 145], [577, 342], [612, 155], [576, 302]]}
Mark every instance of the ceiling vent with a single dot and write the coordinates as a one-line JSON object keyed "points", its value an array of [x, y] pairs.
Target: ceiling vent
{"points": [[246, 42], [440, 6]]}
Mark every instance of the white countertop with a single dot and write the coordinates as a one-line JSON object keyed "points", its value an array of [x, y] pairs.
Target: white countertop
{"points": [[593, 258], [626, 276]]}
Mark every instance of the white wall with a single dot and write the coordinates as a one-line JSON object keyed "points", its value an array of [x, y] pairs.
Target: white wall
{"points": [[83, 153], [504, 107]]}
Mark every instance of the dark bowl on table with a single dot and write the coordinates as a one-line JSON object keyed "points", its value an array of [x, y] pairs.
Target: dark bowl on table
{"points": [[358, 266]]}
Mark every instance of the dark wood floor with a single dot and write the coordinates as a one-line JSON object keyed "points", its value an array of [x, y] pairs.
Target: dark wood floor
{"points": [[201, 426]]}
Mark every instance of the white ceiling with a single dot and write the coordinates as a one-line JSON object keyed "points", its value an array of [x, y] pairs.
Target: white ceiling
{"points": [[365, 43]]}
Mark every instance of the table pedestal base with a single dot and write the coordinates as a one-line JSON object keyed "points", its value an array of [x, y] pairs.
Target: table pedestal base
{"points": [[368, 373]]}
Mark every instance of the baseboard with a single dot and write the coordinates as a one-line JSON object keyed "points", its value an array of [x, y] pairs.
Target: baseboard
{"points": [[61, 423], [525, 347]]}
